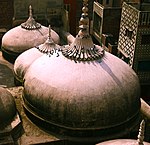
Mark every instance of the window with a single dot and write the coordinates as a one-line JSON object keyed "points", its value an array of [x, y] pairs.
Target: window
{"points": [[97, 23], [145, 39], [107, 2], [144, 65], [100, 1], [128, 33]]}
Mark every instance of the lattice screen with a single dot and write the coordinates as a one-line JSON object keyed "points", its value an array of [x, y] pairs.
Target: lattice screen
{"points": [[128, 31]]}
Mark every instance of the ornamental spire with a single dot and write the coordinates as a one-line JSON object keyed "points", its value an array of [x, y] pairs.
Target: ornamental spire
{"points": [[83, 48], [84, 20], [49, 47], [141, 133], [30, 24]]}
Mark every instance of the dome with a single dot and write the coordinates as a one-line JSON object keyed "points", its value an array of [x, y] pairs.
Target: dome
{"points": [[22, 63], [7, 108], [24, 60], [83, 92], [139, 141], [101, 95], [122, 142], [29, 34]]}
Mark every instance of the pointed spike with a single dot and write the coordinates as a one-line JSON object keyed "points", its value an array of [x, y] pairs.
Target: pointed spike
{"points": [[79, 48], [30, 11], [49, 31], [30, 24], [84, 20], [141, 133]]}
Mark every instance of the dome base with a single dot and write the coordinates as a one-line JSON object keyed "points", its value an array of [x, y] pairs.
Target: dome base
{"points": [[12, 131], [84, 135], [9, 55], [17, 81], [7, 140]]}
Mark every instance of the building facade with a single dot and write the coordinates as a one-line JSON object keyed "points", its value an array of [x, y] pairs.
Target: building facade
{"points": [[106, 19], [134, 39]]}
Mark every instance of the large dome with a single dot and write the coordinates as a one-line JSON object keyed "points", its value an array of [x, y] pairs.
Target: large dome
{"points": [[29, 34], [101, 95], [82, 92], [7, 108]]}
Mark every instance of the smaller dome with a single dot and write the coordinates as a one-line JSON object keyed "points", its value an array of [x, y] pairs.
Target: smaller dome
{"points": [[29, 34], [122, 142], [139, 141], [23, 61], [7, 107]]}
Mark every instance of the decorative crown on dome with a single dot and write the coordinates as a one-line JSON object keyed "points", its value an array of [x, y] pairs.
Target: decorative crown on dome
{"points": [[49, 47], [31, 24], [83, 48]]}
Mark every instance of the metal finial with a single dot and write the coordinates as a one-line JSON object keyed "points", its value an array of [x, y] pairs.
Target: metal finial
{"points": [[84, 20], [49, 47], [30, 11], [141, 133], [49, 31], [30, 24], [83, 48]]}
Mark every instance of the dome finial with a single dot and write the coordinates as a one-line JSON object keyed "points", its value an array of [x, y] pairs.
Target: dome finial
{"points": [[30, 11], [49, 47], [84, 20], [141, 133], [83, 48], [49, 31], [30, 24]]}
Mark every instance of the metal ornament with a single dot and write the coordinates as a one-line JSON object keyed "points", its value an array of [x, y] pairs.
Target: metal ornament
{"points": [[141, 133], [83, 48], [31, 24], [49, 47]]}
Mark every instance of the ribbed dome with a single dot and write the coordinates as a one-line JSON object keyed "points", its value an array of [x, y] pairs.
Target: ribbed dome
{"points": [[25, 36], [7, 108], [83, 92]]}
